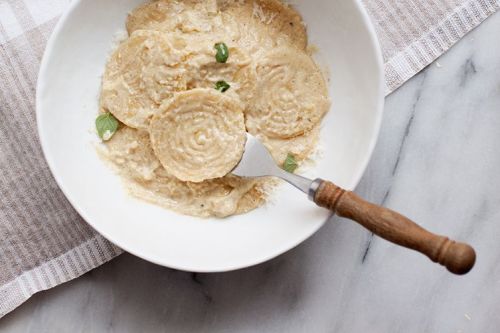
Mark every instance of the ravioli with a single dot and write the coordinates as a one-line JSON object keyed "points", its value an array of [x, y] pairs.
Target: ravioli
{"points": [[259, 25], [199, 135], [204, 71], [130, 95], [253, 24], [291, 95], [186, 16]]}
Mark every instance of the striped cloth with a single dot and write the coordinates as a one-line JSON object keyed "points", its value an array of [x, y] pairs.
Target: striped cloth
{"points": [[413, 33], [43, 241]]}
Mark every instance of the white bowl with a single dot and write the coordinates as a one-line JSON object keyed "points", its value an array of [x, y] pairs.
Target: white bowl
{"points": [[67, 103]]}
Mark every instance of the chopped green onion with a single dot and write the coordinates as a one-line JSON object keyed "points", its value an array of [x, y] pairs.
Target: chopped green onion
{"points": [[222, 86], [290, 163], [222, 52]]}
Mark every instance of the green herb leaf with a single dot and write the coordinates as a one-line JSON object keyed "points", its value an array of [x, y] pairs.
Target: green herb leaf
{"points": [[222, 86], [222, 52], [290, 163], [106, 125]]}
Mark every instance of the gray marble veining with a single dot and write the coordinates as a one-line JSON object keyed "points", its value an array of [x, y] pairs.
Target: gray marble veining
{"points": [[437, 161]]}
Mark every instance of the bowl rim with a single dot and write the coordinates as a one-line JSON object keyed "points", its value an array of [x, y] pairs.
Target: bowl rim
{"points": [[375, 45]]}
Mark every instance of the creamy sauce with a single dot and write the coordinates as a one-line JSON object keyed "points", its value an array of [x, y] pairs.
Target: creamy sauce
{"points": [[176, 151]]}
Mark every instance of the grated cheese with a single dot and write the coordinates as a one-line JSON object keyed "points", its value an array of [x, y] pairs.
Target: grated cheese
{"points": [[259, 13]]}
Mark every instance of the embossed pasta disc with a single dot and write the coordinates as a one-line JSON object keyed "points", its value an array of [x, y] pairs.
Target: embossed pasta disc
{"points": [[290, 96], [189, 16], [254, 24], [261, 24], [199, 135], [142, 72], [204, 71]]}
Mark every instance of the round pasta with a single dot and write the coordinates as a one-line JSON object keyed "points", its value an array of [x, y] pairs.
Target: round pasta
{"points": [[133, 78], [199, 135], [290, 97], [260, 24]]}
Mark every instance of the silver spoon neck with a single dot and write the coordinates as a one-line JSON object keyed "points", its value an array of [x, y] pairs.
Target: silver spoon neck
{"points": [[304, 184]]}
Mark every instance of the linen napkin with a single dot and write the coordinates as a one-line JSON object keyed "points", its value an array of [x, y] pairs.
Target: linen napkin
{"points": [[43, 241]]}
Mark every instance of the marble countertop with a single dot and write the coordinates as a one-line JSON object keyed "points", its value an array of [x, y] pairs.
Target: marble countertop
{"points": [[437, 161]]}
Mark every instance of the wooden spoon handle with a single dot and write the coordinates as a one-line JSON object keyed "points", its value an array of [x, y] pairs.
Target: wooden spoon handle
{"points": [[457, 257]]}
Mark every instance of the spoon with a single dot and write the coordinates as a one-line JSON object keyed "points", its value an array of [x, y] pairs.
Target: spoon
{"points": [[457, 257]]}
